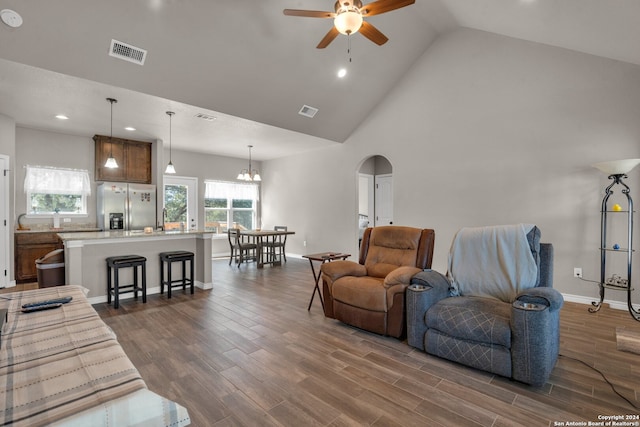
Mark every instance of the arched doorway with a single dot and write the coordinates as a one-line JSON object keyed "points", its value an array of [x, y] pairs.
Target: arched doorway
{"points": [[375, 193]]}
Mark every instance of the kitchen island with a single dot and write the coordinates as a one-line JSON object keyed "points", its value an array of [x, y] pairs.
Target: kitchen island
{"points": [[85, 254]]}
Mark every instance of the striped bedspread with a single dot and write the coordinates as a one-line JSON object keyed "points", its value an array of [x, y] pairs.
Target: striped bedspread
{"points": [[57, 363]]}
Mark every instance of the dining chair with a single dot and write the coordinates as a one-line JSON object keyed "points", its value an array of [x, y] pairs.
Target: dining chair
{"points": [[278, 243], [240, 251]]}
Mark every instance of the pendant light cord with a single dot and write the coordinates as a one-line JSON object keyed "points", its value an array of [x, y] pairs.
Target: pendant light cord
{"points": [[170, 114], [170, 168], [111, 101]]}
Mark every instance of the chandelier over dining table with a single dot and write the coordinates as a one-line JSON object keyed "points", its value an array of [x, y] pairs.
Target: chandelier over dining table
{"points": [[249, 174]]}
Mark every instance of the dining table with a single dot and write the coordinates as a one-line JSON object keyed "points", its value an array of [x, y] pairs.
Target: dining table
{"points": [[262, 238]]}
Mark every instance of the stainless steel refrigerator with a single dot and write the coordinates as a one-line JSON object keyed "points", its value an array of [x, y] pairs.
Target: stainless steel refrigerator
{"points": [[123, 206]]}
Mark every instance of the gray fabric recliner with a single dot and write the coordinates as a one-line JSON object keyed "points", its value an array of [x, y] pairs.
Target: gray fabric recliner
{"points": [[517, 338]]}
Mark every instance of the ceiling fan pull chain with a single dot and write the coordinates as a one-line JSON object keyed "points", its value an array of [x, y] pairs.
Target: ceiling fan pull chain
{"points": [[349, 46]]}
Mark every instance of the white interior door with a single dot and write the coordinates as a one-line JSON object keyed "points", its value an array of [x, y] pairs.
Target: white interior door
{"points": [[384, 200], [366, 196], [180, 202], [5, 264]]}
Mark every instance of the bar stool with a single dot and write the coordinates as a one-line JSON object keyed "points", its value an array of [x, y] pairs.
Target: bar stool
{"points": [[115, 263], [169, 258]]}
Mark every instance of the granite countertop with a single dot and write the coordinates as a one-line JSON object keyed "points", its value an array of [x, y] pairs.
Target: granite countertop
{"points": [[96, 235], [58, 230]]}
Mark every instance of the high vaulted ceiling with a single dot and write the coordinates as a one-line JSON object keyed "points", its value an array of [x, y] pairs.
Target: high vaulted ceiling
{"points": [[250, 66]]}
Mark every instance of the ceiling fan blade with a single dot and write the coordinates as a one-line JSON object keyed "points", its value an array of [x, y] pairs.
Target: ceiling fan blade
{"points": [[309, 13], [382, 6], [328, 38], [372, 33]]}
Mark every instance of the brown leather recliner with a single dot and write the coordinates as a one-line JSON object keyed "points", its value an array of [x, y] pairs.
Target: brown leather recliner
{"points": [[370, 294]]}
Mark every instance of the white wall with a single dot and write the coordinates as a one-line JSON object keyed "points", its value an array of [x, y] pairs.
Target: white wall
{"points": [[483, 130], [39, 148]]}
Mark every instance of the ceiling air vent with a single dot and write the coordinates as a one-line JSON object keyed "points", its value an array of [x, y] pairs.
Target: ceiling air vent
{"points": [[308, 111], [205, 117], [127, 52]]}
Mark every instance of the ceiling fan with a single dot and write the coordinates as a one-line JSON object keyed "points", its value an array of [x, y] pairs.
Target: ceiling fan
{"points": [[348, 18]]}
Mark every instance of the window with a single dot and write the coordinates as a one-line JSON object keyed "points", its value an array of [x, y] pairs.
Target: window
{"points": [[230, 203], [51, 189]]}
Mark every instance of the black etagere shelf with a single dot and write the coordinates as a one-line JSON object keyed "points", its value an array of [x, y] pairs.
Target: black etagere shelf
{"points": [[622, 282]]}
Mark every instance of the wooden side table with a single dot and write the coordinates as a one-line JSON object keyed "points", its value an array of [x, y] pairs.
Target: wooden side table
{"points": [[322, 258]]}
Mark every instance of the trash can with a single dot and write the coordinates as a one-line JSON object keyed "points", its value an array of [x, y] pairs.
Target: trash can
{"points": [[50, 269]]}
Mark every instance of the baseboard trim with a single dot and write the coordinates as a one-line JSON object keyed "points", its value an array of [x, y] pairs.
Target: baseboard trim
{"points": [[580, 299]]}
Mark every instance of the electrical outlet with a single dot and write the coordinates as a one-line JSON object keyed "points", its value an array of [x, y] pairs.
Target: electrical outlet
{"points": [[66, 219], [304, 243], [577, 272]]}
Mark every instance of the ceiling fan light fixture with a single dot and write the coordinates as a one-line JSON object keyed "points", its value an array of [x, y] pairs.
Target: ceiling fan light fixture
{"points": [[348, 20]]}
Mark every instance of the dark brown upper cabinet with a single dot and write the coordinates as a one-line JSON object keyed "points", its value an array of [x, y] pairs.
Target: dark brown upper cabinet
{"points": [[133, 157]]}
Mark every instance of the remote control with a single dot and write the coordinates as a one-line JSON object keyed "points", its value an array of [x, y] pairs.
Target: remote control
{"points": [[41, 307], [63, 300]]}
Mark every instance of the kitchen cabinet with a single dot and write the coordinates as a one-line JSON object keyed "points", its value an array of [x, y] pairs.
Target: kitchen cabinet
{"points": [[133, 157], [29, 247]]}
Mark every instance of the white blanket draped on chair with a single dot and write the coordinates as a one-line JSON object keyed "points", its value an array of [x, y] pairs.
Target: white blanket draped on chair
{"points": [[492, 262]]}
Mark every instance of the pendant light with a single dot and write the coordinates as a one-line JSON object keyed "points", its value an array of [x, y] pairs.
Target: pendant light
{"points": [[170, 169], [111, 161], [249, 174]]}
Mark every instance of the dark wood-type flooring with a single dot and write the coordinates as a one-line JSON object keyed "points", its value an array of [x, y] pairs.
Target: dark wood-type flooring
{"points": [[249, 353]]}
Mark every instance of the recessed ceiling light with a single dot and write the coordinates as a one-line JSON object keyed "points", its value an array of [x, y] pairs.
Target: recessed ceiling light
{"points": [[11, 18], [342, 72], [62, 117], [130, 128]]}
